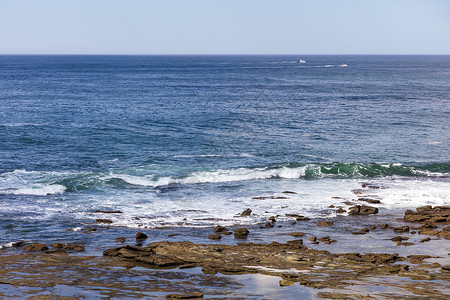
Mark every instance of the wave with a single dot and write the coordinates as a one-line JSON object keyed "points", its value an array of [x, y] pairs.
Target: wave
{"points": [[37, 183], [291, 171]]}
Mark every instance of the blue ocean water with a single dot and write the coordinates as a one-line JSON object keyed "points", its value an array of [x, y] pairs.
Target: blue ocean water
{"points": [[192, 140]]}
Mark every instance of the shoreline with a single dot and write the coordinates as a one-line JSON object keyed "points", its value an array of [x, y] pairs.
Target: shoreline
{"points": [[304, 262]]}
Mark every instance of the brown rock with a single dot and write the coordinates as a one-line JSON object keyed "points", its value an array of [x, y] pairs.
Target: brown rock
{"points": [[341, 210], [369, 200], [425, 240], [361, 231], [362, 210], [401, 229], [108, 212], [121, 239], [220, 229], [285, 282], [71, 247], [295, 234], [289, 192], [246, 212], [215, 236], [185, 296], [325, 223], [140, 236], [399, 238], [241, 233], [313, 239], [35, 247], [103, 221]]}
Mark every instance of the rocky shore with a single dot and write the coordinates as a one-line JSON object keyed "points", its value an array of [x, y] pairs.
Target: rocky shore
{"points": [[184, 269]]}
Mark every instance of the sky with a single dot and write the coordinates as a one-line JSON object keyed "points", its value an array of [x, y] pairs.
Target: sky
{"points": [[224, 27]]}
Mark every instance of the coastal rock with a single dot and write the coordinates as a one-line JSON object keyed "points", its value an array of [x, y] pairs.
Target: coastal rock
{"points": [[216, 236], [369, 200], [103, 221], [69, 246], [401, 229], [429, 214], [140, 236], [325, 223], [289, 192], [285, 282], [220, 228], [341, 210], [295, 234], [399, 238], [35, 247], [361, 231], [185, 296], [121, 239], [362, 210], [425, 240], [246, 212], [241, 233], [108, 212]]}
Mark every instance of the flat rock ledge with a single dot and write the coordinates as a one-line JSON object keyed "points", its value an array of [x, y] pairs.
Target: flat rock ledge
{"points": [[292, 261]]}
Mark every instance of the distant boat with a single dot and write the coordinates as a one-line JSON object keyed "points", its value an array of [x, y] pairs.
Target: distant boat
{"points": [[343, 65], [302, 61]]}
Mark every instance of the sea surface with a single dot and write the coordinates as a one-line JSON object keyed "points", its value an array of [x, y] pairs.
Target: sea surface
{"points": [[192, 141]]}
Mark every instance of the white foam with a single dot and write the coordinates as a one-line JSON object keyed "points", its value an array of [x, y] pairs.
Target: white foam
{"points": [[39, 190]]}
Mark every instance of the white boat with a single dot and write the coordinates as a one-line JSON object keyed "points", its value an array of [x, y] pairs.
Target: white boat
{"points": [[302, 61], [343, 65]]}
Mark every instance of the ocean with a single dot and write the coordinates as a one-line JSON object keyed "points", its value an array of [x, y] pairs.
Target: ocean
{"points": [[192, 141]]}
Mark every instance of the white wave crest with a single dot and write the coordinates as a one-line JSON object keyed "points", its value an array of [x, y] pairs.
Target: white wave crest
{"points": [[40, 190]]}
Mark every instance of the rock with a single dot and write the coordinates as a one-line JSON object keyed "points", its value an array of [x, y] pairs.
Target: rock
{"points": [[361, 231], [313, 239], [273, 219], [103, 221], [446, 268], [302, 218], [241, 233], [121, 239], [140, 236], [71, 247], [173, 234], [108, 212], [425, 240], [246, 212], [90, 230], [285, 282], [215, 236], [295, 234], [401, 229], [373, 227], [362, 210], [357, 191], [370, 185], [385, 226], [325, 223], [185, 296], [369, 200], [220, 229], [341, 210], [437, 214], [399, 238], [404, 244], [35, 247], [289, 192], [331, 206], [293, 216], [268, 225]]}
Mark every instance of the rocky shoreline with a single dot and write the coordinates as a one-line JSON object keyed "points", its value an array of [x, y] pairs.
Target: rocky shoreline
{"points": [[295, 262]]}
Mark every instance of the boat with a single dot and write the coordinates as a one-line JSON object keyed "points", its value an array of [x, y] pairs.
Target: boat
{"points": [[302, 61], [343, 65]]}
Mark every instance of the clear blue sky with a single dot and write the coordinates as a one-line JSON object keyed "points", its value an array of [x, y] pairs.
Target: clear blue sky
{"points": [[224, 27]]}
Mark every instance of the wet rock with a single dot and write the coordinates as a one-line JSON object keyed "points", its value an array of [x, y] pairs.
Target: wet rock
{"points": [[220, 229], [103, 221], [369, 200], [362, 210], [437, 214], [401, 229], [269, 197], [289, 192], [185, 296], [425, 240], [268, 225], [108, 212], [140, 236], [285, 282], [404, 244], [325, 223], [295, 234], [273, 219], [302, 218], [292, 216], [35, 247], [361, 231], [331, 206], [69, 246], [216, 236], [341, 210], [326, 240], [241, 233], [89, 230], [313, 239], [385, 226], [349, 203], [121, 239], [173, 234], [446, 268], [373, 227], [370, 185], [357, 191], [246, 212], [399, 238]]}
